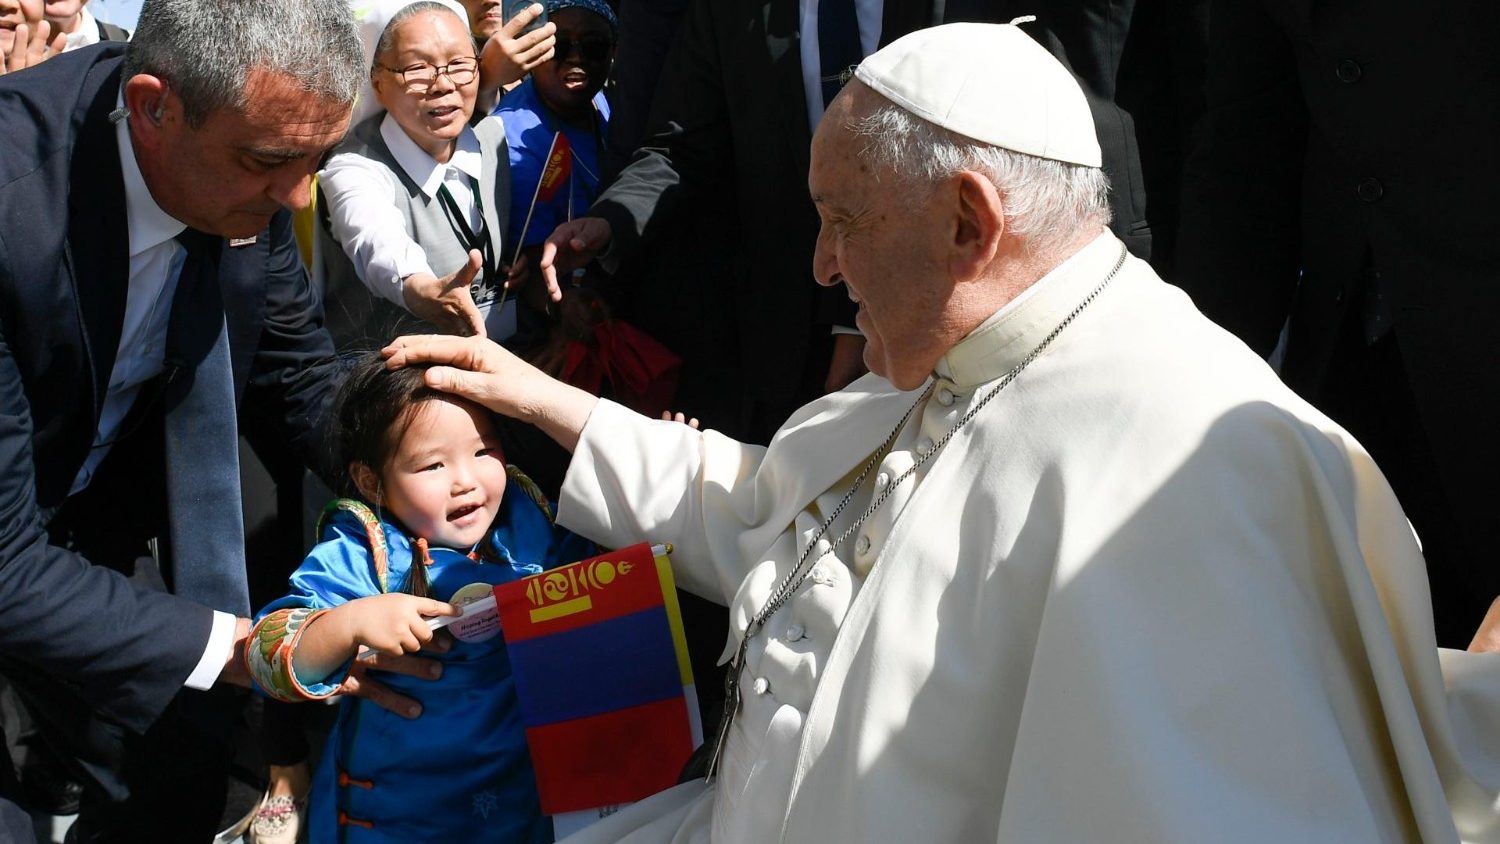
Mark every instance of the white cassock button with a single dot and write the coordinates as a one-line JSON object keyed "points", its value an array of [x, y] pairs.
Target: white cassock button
{"points": [[795, 633], [821, 575], [945, 397], [924, 445], [862, 547], [882, 479], [761, 685]]}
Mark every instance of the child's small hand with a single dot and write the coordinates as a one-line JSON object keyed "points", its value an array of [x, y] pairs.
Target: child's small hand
{"points": [[669, 416], [392, 624]]}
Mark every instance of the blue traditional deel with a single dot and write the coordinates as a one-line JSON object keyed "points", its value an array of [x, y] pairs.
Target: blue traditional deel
{"points": [[461, 771]]}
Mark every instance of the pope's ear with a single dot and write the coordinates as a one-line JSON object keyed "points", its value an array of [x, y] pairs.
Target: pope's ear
{"points": [[152, 107], [366, 481], [978, 224]]}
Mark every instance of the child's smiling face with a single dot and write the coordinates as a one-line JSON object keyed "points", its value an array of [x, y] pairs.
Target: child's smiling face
{"points": [[446, 476]]}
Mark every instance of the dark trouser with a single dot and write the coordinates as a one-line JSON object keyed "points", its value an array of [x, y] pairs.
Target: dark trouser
{"points": [[166, 785]]}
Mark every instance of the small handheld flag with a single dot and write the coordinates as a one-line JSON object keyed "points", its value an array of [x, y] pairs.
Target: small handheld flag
{"points": [[603, 679]]}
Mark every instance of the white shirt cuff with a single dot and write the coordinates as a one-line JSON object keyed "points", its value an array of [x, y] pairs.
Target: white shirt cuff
{"points": [[215, 653]]}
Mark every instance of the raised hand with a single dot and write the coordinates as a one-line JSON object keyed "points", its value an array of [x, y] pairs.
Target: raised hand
{"points": [[570, 246], [446, 301], [33, 44], [511, 52]]}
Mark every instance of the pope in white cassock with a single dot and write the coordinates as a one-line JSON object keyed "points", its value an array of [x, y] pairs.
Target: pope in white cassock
{"points": [[1070, 565]]}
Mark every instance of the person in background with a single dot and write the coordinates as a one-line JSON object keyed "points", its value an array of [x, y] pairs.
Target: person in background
{"points": [[508, 49], [25, 38], [1329, 200], [72, 18], [416, 196], [555, 123]]}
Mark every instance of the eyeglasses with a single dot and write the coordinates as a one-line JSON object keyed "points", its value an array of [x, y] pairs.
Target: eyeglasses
{"points": [[593, 49], [419, 78]]}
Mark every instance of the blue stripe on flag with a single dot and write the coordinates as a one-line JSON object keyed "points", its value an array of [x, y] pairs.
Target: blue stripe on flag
{"points": [[622, 662]]}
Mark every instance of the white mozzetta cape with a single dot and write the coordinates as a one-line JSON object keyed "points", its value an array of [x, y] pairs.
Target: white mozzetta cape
{"points": [[1147, 595]]}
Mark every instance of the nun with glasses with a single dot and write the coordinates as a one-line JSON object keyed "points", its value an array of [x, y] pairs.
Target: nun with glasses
{"points": [[416, 197]]}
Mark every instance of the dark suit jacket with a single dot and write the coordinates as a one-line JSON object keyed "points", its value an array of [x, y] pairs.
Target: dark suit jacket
{"points": [[1344, 139], [63, 274], [730, 142]]}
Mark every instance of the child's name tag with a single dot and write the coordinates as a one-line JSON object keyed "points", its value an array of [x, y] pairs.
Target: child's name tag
{"points": [[480, 619]]}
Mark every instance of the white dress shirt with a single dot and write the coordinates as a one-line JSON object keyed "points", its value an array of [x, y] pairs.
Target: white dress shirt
{"points": [[371, 228], [155, 262], [869, 13], [86, 34]]}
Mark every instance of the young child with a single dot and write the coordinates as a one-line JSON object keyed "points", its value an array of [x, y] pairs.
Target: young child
{"points": [[439, 518]]}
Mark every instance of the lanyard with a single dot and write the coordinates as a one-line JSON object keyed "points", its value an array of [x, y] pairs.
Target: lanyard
{"points": [[460, 222]]}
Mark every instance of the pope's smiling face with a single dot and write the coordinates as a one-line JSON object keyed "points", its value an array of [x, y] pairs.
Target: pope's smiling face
{"points": [[881, 245]]}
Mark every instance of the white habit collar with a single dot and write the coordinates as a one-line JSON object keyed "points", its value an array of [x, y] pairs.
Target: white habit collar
{"points": [[423, 168]]}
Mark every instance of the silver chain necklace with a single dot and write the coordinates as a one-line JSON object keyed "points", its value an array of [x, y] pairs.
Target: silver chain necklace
{"points": [[799, 573]]}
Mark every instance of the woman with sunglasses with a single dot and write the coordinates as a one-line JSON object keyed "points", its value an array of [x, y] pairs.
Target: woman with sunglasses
{"points": [[555, 124], [418, 198]]}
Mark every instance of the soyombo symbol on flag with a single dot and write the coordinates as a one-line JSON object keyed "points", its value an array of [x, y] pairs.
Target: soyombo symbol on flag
{"points": [[602, 674]]}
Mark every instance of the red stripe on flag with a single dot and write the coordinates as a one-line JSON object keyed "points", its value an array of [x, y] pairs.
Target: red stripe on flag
{"points": [[586, 592], [617, 757], [558, 169]]}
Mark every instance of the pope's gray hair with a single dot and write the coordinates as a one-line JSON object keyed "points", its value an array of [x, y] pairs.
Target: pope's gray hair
{"points": [[205, 49], [1047, 202]]}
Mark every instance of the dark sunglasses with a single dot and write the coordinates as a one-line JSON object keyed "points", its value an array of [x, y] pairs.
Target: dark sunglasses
{"points": [[594, 49]]}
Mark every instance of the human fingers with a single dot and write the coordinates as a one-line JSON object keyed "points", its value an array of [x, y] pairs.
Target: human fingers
{"points": [[361, 686], [37, 45], [16, 58], [538, 55], [466, 312], [513, 28], [479, 388], [538, 37], [432, 609], [464, 276], [464, 352], [545, 263], [516, 274], [1487, 639]]}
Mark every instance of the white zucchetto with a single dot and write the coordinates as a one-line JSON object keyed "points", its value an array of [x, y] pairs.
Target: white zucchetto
{"points": [[989, 82]]}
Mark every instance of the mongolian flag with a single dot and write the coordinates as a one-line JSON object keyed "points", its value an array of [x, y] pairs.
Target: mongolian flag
{"points": [[601, 670], [558, 170]]}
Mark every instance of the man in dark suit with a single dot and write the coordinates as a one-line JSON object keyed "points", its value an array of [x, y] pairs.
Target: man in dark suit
{"points": [[1339, 187], [121, 176]]}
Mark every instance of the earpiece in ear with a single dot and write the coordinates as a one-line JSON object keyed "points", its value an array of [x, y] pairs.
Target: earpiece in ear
{"points": [[156, 114]]}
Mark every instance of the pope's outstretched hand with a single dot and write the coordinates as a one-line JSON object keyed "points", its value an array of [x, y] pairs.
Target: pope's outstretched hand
{"points": [[481, 371]]}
